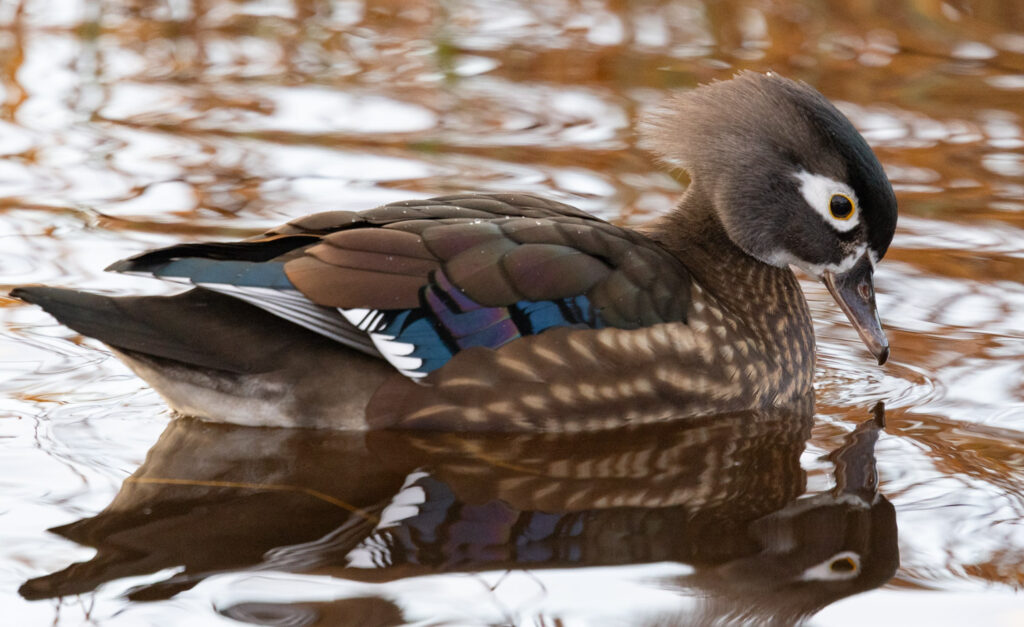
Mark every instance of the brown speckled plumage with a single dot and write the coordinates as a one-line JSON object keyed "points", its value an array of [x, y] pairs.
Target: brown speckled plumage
{"points": [[723, 355]]}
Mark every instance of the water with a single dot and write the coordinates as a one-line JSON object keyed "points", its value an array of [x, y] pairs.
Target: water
{"points": [[125, 126]]}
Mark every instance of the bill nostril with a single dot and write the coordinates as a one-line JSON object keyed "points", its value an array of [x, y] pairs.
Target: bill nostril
{"points": [[864, 290]]}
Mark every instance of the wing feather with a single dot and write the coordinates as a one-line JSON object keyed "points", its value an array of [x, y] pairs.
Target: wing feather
{"points": [[325, 284], [552, 271], [419, 281]]}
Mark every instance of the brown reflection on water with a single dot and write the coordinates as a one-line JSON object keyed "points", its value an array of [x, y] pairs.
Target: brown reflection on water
{"points": [[723, 495], [129, 125]]}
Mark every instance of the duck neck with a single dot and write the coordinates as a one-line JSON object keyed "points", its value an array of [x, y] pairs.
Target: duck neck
{"points": [[766, 298]]}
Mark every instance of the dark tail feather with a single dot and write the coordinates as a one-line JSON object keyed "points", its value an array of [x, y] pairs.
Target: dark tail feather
{"points": [[263, 249], [197, 328]]}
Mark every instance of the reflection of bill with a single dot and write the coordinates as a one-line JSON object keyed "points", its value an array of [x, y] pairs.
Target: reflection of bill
{"points": [[815, 550], [721, 496]]}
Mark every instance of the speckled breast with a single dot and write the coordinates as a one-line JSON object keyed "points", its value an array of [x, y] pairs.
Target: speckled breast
{"points": [[723, 359]]}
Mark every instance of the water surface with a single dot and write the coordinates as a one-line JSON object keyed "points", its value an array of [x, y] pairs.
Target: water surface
{"points": [[129, 125]]}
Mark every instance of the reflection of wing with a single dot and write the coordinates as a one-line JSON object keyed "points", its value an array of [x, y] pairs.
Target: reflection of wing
{"points": [[417, 282], [328, 501], [720, 495], [749, 459], [657, 493]]}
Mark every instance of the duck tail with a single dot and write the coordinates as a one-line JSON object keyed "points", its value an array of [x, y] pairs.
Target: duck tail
{"points": [[220, 358], [197, 328]]}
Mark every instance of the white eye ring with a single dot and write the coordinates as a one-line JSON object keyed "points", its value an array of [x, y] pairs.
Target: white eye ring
{"points": [[818, 191], [842, 566]]}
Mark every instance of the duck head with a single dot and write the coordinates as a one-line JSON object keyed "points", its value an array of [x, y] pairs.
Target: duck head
{"points": [[790, 180]]}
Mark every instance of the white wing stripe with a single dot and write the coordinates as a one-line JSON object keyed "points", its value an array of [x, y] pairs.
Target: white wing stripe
{"points": [[397, 355], [292, 306]]}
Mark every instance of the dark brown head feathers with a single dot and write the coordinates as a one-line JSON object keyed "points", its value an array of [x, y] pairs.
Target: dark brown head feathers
{"points": [[744, 140], [707, 129]]}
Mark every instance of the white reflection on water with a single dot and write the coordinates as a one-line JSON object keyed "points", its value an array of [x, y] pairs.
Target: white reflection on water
{"points": [[956, 608], [318, 110], [503, 597]]}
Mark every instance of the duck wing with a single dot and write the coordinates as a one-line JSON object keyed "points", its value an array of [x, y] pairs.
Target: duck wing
{"points": [[417, 282]]}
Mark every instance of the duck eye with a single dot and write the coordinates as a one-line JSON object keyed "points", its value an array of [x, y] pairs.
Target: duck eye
{"points": [[843, 565], [841, 206]]}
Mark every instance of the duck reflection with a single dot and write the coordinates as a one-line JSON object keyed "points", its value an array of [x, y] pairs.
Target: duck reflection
{"points": [[723, 495]]}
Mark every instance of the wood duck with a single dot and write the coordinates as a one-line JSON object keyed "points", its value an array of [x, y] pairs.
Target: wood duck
{"points": [[512, 312]]}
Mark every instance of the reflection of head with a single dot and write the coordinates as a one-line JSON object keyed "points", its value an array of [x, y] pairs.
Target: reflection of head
{"points": [[812, 552]]}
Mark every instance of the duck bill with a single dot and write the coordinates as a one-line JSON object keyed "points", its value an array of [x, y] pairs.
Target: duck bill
{"points": [[855, 293]]}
